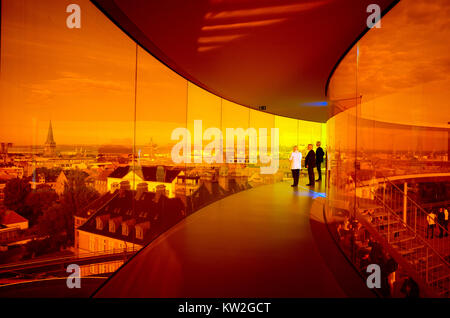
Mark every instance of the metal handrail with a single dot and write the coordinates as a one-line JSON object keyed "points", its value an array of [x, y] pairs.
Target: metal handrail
{"points": [[411, 229], [112, 252], [401, 220], [413, 202], [48, 279], [429, 249], [399, 259], [406, 265], [341, 248]]}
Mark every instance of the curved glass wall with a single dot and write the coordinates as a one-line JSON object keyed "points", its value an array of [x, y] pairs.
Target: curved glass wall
{"points": [[388, 139], [87, 116]]}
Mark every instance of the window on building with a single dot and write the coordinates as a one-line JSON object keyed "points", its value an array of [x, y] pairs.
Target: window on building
{"points": [[125, 229], [91, 244], [93, 269], [139, 233], [99, 224], [112, 226]]}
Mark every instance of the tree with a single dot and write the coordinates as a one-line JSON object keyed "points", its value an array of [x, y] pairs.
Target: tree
{"points": [[16, 190], [57, 219], [76, 193], [38, 201], [50, 174]]}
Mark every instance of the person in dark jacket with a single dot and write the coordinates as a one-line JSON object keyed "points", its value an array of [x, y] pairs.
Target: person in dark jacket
{"points": [[310, 163], [319, 160], [410, 288], [441, 222]]}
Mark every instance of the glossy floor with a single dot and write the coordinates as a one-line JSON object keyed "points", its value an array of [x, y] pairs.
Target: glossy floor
{"points": [[257, 243]]}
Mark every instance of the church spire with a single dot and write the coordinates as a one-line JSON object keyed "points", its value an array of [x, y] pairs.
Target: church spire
{"points": [[50, 140], [50, 144]]}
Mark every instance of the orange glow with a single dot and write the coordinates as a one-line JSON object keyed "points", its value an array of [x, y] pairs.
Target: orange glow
{"points": [[81, 79], [241, 25], [270, 10], [84, 81], [402, 72]]}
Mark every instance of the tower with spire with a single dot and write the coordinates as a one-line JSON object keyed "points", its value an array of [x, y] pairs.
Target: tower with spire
{"points": [[50, 144]]}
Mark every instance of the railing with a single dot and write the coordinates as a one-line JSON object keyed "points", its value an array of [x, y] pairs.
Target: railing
{"points": [[415, 216], [93, 257], [381, 213], [333, 215], [404, 226], [364, 243], [429, 265], [405, 269]]}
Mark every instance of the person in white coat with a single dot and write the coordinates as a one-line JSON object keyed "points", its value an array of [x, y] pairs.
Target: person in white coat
{"points": [[431, 219], [296, 162]]}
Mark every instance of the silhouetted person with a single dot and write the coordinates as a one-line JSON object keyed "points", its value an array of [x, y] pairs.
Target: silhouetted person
{"points": [[376, 255], [319, 160], [296, 161], [446, 221], [310, 163], [410, 288], [431, 219], [440, 221], [390, 267]]}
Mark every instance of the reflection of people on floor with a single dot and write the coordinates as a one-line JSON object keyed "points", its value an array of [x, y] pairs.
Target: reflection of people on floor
{"points": [[319, 160], [431, 219], [296, 161], [310, 163]]}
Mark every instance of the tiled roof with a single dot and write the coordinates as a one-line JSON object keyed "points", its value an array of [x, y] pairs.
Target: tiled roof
{"points": [[161, 215], [95, 205], [124, 205], [5, 176], [104, 174], [148, 173], [120, 172], [206, 194], [8, 217], [48, 179]]}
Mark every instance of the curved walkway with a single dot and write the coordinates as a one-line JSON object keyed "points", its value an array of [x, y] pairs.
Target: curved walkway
{"points": [[256, 243]]}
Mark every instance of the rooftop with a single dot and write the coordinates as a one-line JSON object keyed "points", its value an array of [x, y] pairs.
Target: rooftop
{"points": [[126, 208], [148, 173], [8, 217]]}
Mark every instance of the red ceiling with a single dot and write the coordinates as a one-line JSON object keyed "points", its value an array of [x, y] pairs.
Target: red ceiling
{"points": [[273, 53]]}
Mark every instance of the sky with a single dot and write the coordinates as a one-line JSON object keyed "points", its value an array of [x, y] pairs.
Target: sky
{"points": [[83, 80], [403, 68]]}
